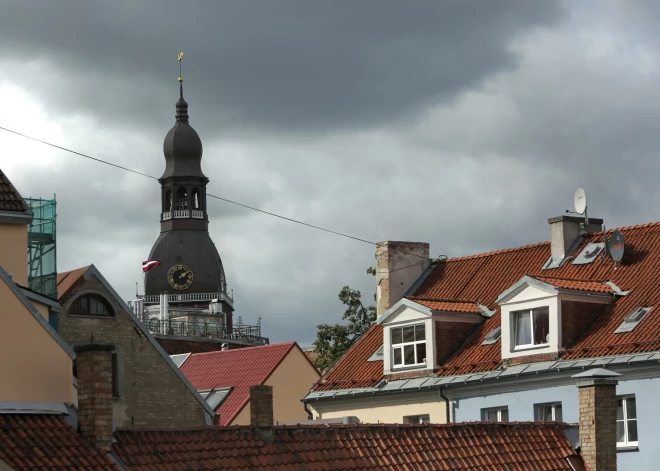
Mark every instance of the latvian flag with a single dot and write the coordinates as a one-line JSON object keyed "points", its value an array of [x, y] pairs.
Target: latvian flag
{"points": [[149, 264]]}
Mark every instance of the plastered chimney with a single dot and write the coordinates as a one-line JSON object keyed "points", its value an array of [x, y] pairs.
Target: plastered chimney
{"points": [[261, 407], [597, 408], [564, 230], [398, 266], [94, 364]]}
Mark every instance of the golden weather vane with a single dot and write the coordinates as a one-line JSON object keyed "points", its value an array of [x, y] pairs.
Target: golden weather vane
{"points": [[179, 57]]}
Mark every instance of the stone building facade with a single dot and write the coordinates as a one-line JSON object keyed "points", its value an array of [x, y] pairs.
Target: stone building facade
{"points": [[148, 389]]}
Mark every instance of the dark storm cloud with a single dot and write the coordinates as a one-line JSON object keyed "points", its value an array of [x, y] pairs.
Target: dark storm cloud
{"points": [[290, 66]]}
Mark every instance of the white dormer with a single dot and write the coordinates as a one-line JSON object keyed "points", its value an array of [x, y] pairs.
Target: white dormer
{"points": [[410, 328], [532, 311]]}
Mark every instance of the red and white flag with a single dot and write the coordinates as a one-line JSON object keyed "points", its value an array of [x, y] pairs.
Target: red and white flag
{"points": [[149, 264]]}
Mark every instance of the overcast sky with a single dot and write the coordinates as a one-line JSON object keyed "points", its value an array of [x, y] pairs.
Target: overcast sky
{"points": [[466, 124]]}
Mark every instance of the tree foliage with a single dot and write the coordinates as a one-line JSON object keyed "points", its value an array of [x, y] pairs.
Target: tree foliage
{"points": [[332, 341]]}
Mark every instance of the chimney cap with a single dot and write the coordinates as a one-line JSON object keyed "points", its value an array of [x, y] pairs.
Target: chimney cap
{"points": [[597, 373]]}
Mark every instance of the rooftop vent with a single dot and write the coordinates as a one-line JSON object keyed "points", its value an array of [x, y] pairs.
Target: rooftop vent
{"points": [[632, 320], [589, 253], [493, 336]]}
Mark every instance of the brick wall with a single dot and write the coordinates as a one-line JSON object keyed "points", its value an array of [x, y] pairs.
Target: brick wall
{"points": [[261, 406], [449, 336], [575, 317], [530, 359], [151, 393], [597, 407], [95, 394]]}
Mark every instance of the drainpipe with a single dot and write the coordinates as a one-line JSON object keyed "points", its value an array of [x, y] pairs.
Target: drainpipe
{"points": [[310, 416], [446, 404]]}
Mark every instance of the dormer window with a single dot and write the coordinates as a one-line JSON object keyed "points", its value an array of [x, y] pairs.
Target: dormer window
{"points": [[408, 346], [531, 327]]}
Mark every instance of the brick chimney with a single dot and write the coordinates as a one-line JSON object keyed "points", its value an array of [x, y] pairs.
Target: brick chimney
{"points": [[564, 230], [398, 266], [261, 407], [597, 409], [94, 363]]}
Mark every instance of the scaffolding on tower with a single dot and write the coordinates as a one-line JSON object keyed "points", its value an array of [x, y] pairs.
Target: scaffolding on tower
{"points": [[42, 243]]}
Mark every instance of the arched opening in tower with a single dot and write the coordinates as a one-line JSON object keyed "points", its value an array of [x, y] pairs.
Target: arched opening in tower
{"points": [[168, 200], [195, 199], [181, 199]]}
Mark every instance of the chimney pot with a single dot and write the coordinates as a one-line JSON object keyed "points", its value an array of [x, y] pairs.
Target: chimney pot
{"points": [[94, 364], [398, 266], [261, 407]]}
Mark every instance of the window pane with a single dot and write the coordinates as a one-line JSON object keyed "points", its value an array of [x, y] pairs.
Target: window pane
{"points": [[545, 413], [409, 355], [396, 336], [619, 409], [421, 352], [420, 334], [632, 430], [631, 409], [491, 415], [397, 356], [619, 432], [523, 329], [409, 334], [505, 415], [558, 414], [541, 326]]}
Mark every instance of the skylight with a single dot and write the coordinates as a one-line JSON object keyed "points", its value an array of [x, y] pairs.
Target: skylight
{"points": [[633, 319], [378, 356], [589, 253], [215, 397], [493, 336]]}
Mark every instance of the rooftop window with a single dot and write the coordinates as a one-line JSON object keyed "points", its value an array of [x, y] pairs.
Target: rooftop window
{"points": [[531, 327], [91, 305], [493, 336], [632, 320], [408, 346]]}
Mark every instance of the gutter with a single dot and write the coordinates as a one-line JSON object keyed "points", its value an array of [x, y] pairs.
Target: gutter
{"points": [[446, 404], [310, 416]]}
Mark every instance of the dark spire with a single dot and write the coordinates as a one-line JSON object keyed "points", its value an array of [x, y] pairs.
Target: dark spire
{"points": [[181, 106]]}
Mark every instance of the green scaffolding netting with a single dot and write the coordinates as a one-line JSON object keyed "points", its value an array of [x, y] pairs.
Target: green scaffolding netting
{"points": [[42, 253]]}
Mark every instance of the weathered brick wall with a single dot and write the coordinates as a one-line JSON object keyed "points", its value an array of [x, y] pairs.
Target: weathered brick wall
{"points": [[151, 393], [597, 407], [261, 406], [575, 317], [95, 394], [535, 358], [449, 336]]}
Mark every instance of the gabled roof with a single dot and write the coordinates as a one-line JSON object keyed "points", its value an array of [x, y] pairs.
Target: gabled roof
{"points": [[10, 199], [468, 446], [34, 441], [239, 368], [485, 276], [69, 281], [447, 305]]}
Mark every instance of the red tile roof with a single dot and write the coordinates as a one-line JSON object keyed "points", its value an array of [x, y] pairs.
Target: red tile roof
{"points": [[42, 441], [474, 446], [484, 277], [10, 199], [240, 369], [447, 304], [576, 285]]}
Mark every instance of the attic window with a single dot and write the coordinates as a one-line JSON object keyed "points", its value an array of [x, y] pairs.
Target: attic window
{"points": [[378, 356], [493, 336], [589, 253], [91, 305], [633, 319]]}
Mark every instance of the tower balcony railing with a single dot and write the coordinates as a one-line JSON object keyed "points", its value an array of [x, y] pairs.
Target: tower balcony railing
{"points": [[197, 214], [167, 215], [188, 298], [176, 328], [181, 213]]}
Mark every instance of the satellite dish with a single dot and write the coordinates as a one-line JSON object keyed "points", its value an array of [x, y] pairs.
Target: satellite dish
{"points": [[580, 201], [616, 245]]}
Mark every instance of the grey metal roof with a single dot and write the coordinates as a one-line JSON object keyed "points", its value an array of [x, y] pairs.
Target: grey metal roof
{"points": [[411, 385]]}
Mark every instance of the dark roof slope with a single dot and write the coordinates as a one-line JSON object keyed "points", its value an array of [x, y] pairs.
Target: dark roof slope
{"points": [[485, 276], [10, 199], [44, 441], [474, 446]]}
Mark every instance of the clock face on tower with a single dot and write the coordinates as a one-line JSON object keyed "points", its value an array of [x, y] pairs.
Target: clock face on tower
{"points": [[180, 277]]}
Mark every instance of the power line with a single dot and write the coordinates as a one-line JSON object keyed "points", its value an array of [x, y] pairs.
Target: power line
{"points": [[208, 194]]}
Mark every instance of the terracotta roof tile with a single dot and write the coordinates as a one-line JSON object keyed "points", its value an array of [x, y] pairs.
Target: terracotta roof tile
{"points": [[42, 441], [10, 199], [484, 277], [67, 280], [240, 369], [447, 304], [472, 446]]}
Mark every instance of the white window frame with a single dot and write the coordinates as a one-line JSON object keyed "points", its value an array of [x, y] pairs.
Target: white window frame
{"points": [[531, 312], [554, 406], [484, 413], [401, 346], [417, 419], [626, 443]]}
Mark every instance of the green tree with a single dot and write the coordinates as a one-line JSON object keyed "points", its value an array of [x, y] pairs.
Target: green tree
{"points": [[332, 341]]}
